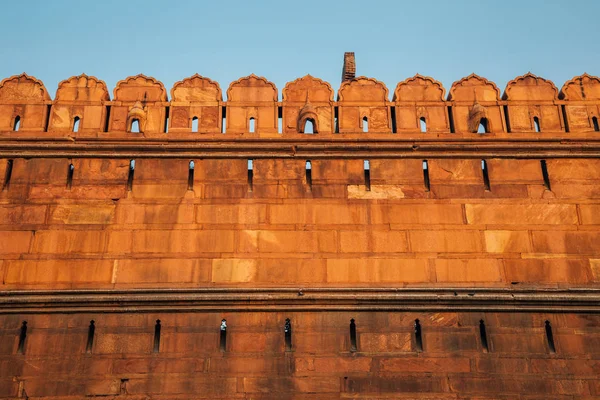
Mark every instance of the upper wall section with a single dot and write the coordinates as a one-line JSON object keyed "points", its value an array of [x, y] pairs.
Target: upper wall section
{"points": [[473, 108]]}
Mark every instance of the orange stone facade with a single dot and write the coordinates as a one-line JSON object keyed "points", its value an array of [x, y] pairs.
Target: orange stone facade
{"points": [[179, 245]]}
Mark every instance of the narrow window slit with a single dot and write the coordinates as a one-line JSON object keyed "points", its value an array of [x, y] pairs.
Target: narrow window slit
{"points": [[418, 336], [309, 126], [130, 176], [70, 172], [550, 337], [250, 175], [483, 336], [365, 124], [224, 120], [483, 126], [423, 124], [353, 345], [288, 334], [426, 176], [22, 337], [191, 175], [486, 175], [107, 120], [545, 174], [223, 335], [367, 168], [7, 174], [135, 126], [90, 338], [166, 127], [336, 119], [279, 119], [17, 123], [595, 124], [451, 119], [252, 125], [507, 117], [536, 124], [195, 124], [308, 170], [76, 124], [393, 115], [157, 327]]}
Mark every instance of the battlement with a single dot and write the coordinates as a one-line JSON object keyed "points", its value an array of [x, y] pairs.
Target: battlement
{"points": [[140, 107]]}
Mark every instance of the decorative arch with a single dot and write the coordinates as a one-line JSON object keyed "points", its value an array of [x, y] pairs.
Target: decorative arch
{"points": [[196, 88], [477, 114], [263, 89], [20, 89], [297, 90], [530, 87], [140, 87], [363, 89], [82, 88], [582, 87], [419, 88], [308, 113], [474, 88]]}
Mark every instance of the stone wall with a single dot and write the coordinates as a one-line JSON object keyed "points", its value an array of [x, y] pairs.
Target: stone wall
{"points": [[368, 219]]}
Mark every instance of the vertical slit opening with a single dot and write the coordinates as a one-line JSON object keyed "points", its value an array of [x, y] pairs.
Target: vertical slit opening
{"points": [[22, 337], [336, 119], [483, 126], [130, 176], [7, 174], [418, 336], [565, 118], [507, 118], [76, 124], [595, 124], [107, 120], [423, 124], [250, 175], [365, 124], [288, 334], [70, 172], [483, 336], [17, 123], [486, 175], [545, 174], [90, 338], [309, 126], [308, 170], [367, 169], [252, 125], [135, 126], [191, 175], [536, 124], [166, 127], [157, 327], [224, 120], [353, 344], [550, 337], [223, 336], [426, 176], [195, 124], [48, 113], [393, 115], [451, 119], [280, 119]]}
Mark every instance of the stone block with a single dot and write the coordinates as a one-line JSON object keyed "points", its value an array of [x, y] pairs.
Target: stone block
{"points": [[377, 270], [534, 214], [470, 270], [449, 241]]}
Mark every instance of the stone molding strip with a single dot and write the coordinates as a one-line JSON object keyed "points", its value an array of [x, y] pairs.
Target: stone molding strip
{"points": [[578, 300], [302, 149]]}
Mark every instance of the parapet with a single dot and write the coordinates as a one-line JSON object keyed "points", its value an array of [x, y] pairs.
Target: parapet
{"points": [[361, 108]]}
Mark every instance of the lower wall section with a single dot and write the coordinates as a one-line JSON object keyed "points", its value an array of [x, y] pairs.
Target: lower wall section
{"points": [[519, 356]]}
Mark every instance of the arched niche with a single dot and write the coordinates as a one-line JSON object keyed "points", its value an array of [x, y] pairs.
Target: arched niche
{"points": [[475, 91], [80, 98], [420, 106], [362, 103], [195, 97], [307, 98], [252, 97], [532, 99], [581, 97], [23, 98], [152, 96]]}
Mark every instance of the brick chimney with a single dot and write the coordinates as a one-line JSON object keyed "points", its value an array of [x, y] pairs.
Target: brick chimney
{"points": [[349, 70]]}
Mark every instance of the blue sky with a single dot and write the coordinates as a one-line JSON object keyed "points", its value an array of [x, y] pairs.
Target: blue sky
{"points": [[283, 40]]}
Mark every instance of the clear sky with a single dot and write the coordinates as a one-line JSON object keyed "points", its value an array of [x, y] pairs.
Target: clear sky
{"points": [[283, 40]]}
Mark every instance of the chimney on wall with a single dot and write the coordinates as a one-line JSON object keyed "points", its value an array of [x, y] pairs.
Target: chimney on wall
{"points": [[349, 70]]}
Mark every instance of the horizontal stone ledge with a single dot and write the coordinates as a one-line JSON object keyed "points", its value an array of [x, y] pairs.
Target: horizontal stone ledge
{"points": [[581, 300], [302, 150]]}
